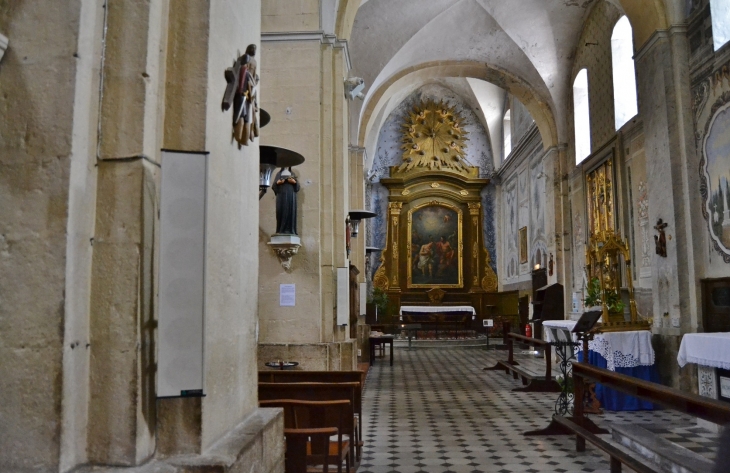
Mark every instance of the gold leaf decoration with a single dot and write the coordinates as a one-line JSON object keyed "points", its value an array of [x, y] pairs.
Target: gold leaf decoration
{"points": [[380, 280], [433, 138], [489, 281]]}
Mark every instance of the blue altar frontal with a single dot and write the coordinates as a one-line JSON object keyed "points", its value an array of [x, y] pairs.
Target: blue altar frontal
{"points": [[629, 353]]}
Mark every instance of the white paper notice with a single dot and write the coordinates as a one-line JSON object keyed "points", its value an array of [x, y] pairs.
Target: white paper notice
{"points": [[724, 387], [287, 295]]}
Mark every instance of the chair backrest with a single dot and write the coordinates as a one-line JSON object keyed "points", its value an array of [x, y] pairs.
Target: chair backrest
{"points": [[281, 376], [313, 392]]}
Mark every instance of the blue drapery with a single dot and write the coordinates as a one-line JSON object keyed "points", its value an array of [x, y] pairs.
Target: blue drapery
{"points": [[613, 400]]}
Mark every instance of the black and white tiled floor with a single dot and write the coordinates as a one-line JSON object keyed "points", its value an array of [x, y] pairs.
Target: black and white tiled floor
{"points": [[436, 411]]}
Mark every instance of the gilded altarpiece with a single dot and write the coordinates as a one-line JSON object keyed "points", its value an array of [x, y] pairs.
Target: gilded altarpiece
{"points": [[434, 235]]}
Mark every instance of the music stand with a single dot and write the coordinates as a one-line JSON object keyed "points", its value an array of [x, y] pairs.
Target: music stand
{"points": [[587, 321]]}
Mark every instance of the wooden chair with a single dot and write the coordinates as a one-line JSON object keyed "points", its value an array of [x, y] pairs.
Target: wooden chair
{"points": [[283, 376], [297, 441], [321, 392], [304, 415]]}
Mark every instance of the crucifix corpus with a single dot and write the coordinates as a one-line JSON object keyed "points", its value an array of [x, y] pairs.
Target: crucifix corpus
{"points": [[241, 93]]}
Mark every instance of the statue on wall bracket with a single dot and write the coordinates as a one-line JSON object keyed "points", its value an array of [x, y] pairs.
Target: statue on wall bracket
{"points": [[241, 94]]}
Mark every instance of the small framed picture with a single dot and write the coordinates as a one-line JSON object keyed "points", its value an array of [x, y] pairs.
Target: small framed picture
{"points": [[523, 245]]}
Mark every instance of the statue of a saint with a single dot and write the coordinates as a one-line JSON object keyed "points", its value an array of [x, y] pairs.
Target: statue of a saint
{"points": [[241, 93], [285, 187]]}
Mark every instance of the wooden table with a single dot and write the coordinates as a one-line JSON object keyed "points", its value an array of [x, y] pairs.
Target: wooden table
{"points": [[381, 340]]}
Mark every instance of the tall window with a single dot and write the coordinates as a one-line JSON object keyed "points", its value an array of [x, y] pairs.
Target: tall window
{"points": [[624, 76], [582, 116], [507, 133], [720, 11]]}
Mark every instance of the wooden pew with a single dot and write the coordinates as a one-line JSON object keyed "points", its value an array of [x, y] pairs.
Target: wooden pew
{"points": [[533, 384], [692, 404], [314, 418], [307, 391], [281, 376]]}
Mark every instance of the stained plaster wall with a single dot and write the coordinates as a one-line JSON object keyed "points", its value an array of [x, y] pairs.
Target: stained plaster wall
{"points": [[37, 143], [304, 92], [93, 255], [525, 194], [478, 153]]}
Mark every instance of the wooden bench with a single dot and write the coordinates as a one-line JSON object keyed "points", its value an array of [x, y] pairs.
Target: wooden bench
{"points": [[309, 391], [692, 404], [531, 383], [279, 376]]}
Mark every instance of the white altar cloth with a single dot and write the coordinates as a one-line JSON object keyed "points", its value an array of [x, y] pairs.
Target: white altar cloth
{"points": [[619, 349], [440, 308], [706, 349]]}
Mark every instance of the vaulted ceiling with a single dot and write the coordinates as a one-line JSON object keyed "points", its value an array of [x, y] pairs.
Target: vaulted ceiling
{"points": [[523, 46]]}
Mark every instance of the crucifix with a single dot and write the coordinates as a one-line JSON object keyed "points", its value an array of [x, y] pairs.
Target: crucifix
{"points": [[241, 94]]}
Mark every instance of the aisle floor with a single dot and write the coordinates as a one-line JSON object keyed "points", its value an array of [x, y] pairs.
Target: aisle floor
{"points": [[436, 411]]}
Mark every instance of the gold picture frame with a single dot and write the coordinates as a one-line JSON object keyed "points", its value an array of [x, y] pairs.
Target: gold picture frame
{"points": [[442, 245], [523, 245]]}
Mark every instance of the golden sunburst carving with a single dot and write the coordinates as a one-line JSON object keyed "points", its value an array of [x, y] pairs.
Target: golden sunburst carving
{"points": [[433, 138]]}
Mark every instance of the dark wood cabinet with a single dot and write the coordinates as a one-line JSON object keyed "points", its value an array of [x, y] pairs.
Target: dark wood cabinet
{"points": [[716, 304]]}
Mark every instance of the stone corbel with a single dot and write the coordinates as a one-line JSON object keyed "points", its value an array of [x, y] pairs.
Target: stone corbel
{"points": [[3, 45], [285, 247]]}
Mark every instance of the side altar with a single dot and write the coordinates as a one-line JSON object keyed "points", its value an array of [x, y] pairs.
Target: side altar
{"points": [[435, 216]]}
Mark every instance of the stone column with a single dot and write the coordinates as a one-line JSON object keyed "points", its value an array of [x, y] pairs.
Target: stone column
{"points": [[664, 99], [303, 89]]}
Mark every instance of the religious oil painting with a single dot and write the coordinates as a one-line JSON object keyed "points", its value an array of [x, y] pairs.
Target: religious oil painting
{"points": [[716, 174], [523, 245], [435, 246]]}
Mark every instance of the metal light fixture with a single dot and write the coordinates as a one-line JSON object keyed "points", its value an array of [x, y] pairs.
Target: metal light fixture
{"points": [[272, 157], [355, 217]]}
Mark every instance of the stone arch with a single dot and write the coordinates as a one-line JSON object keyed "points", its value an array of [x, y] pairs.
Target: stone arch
{"points": [[346, 11], [539, 108], [646, 16]]}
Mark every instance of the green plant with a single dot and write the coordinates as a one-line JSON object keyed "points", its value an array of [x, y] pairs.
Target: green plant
{"points": [[565, 381], [593, 293], [381, 301], [613, 301]]}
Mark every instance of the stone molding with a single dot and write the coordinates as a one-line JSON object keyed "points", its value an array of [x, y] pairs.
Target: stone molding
{"points": [[657, 36], [285, 247], [321, 36]]}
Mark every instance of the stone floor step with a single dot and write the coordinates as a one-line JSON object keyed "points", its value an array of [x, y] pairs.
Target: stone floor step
{"points": [[669, 456]]}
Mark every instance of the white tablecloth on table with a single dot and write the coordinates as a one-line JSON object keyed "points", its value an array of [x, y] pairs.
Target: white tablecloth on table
{"points": [[619, 349], [441, 308], [706, 349], [556, 324]]}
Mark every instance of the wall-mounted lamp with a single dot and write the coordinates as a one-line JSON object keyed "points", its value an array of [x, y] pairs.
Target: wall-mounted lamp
{"points": [[356, 216], [273, 157]]}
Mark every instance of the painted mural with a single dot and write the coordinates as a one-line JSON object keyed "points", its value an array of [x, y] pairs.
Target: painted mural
{"points": [[434, 259], [717, 174]]}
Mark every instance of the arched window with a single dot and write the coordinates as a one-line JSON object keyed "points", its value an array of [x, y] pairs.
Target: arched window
{"points": [[720, 11], [582, 116], [507, 133], [624, 76]]}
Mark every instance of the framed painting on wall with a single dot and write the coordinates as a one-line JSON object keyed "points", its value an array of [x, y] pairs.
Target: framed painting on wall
{"points": [[523, 245], [435, 246]]}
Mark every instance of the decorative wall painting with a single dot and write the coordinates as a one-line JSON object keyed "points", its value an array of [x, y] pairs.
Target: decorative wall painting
{"points": [[715, 172], [523, 245], [435, 246]]}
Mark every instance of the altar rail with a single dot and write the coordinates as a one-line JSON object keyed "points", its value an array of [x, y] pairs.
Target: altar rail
{"points": [[533, 383], [692, 404]]}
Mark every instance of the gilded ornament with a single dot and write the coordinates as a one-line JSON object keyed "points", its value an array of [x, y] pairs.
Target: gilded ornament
{"points": [[380, 280], [489, 281], [405, 192], [433, 139], [435, 185], [464, 192]]}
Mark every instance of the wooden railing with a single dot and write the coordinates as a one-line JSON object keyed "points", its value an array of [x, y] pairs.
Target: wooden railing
{"points": [[692, 404], [533, 384]]}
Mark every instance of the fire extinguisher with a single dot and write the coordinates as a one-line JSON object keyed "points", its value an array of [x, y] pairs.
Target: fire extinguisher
{"points": [[528, 330]]}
